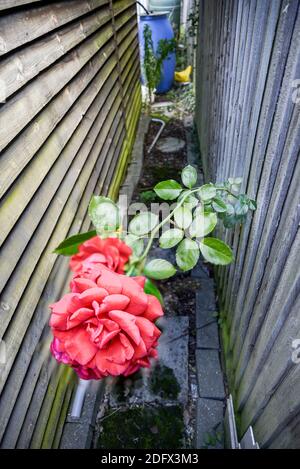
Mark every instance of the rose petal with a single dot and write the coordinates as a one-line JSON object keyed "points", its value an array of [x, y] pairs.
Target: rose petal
{"points": [[154, 309], [110, 325], [79, 316], [114, 302], [138, 298], [129, 350], [107, 337], [106, 366], [110, 281], [127, 322], [140, 280], [79, 285], [79, 346], [93, 294]]}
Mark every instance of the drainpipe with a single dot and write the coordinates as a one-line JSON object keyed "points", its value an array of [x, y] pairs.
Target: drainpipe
{"points": [[77, 404]]}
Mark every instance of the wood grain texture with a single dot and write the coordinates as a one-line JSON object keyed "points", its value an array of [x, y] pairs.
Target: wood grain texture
{"points": [[248, 125], [66, 133]]}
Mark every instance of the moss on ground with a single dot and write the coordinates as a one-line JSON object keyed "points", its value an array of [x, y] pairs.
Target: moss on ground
{"points": [[164, 383], [146, 427]]}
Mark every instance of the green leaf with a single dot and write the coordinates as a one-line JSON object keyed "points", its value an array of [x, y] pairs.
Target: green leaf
{"points": [[69, 246], [159, 269], [136, 244], [229, 221], [187, 254], [216, 251], [207, 192], [189, 176], [143, 223], [190, 202], [170, 238], [203, 224], [148, 196], [252, 204], [219, 205], [183, 217], [152, 289], [235, 181], [241, 207], [168, 190], [230, 209], [104, 214]]}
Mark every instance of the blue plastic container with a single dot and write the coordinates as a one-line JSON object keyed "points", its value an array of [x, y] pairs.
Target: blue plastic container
{"points": [[161, 28]]}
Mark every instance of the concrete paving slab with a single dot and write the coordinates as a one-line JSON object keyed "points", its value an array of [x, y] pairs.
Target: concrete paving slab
{"points": [[209, 424], [209, 373], [170, 144], [167, 380], [208, 336]]}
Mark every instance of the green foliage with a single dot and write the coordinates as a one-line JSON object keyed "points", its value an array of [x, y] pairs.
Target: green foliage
{"points": [[203, 224], [148, 196], [207, 192], [153, 61], [159, 269], [69, 246], [170, 238], [189, 176], [143, 223], [168, 190], [187, 254], [194, 215], [152, 289], [216, 251], [104, 214], [136, 244], [183, 217]]}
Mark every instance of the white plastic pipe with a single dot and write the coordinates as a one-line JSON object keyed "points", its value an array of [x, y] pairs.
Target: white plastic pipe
{"points": [[81, 389], [163, 124]]}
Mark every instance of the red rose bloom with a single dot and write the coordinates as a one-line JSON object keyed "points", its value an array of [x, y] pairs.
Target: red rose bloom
{"points": [[111, 252], [105, 325]]}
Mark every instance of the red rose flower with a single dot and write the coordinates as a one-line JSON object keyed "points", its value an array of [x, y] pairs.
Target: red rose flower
{"points": [[111, 252], [105, 325]]}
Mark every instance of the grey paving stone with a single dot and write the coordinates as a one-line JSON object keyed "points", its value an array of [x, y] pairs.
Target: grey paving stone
{"points": [[170, 144], [209, 374], [78, 432], [167, 380], [205, 306], [209, 424], [208, 336], [200, 271], [173, 351], [206, 299]]}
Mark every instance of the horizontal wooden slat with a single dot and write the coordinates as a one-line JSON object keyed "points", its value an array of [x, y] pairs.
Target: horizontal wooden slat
{"points": [[21, 109], [21, 27], [26, 63], [47, 190], [68, 131], [14, 335]]}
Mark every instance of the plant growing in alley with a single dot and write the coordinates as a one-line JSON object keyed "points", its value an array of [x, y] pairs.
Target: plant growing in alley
{"points": [[153, 60], [105, 325]]}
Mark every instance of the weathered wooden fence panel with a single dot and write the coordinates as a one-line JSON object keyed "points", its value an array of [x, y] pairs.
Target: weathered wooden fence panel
{"points": [[248, 121], [70, 103]]}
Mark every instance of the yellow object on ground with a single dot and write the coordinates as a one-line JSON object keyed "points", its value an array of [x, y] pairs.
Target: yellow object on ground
{"points": [[184, 75]]}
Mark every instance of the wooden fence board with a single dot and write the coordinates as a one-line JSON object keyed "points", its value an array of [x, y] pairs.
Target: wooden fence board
{"points": [[66, 133], [253, 132]]}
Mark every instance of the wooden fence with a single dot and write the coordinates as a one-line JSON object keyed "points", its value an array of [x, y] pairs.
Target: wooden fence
{"points": [[70, 102], [248, 120]]}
